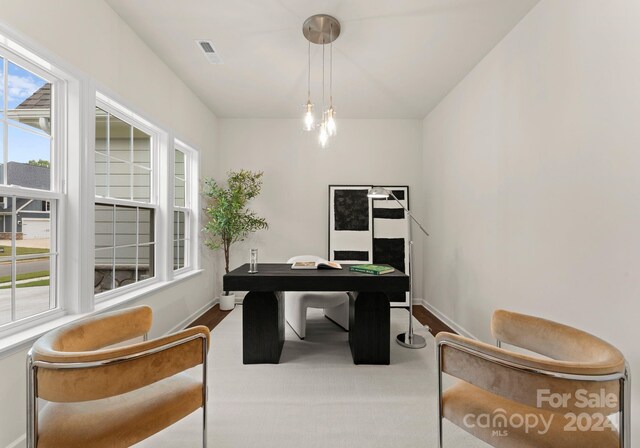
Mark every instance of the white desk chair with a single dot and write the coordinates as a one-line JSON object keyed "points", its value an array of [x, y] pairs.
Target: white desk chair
{"points": [[335, 304]]}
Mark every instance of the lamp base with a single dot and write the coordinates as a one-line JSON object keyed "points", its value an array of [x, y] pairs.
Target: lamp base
{"points": [[411, 340]]}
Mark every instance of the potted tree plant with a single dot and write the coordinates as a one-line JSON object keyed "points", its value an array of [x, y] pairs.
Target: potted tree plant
{"points": [[229, 219]]}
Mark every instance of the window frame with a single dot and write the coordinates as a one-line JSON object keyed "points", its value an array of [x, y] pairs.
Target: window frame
{"points": [[190, 208], [123, 113], [11, 51]]}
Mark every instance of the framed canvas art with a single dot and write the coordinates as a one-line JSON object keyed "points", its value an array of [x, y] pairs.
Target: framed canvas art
{"points": [[365, 230]]}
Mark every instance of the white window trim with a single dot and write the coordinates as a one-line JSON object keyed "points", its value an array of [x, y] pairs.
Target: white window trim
{"points": [[157, 135], [77, 103], [60, 81], [192, 205]]}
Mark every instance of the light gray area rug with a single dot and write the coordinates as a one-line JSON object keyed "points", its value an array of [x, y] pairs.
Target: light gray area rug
{"points": [[316, 396]]}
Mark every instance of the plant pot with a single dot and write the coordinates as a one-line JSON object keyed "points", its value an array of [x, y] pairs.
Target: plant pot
{"points": [[227, 302]]}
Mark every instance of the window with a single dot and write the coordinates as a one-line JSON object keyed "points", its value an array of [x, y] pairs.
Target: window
{"points": [[141, 238], [181, 209], [124, 206], [29, 194]]}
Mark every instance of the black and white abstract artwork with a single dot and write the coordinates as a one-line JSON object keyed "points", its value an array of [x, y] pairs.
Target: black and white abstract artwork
{"points": [[350, 225], [364, 230]]}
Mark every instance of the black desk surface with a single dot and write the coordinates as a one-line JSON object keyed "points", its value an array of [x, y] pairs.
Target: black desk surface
{"points": [[280, 277]]}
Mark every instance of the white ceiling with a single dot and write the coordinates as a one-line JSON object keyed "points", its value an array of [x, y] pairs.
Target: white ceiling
{"points": [[393, 59]]}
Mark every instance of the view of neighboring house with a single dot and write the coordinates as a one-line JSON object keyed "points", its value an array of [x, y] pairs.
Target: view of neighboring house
{"points": [[33, 216]]}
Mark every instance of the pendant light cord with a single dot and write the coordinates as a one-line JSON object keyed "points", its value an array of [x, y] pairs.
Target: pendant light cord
{"points": [[323, 79], [309, 71], [331, 70]]}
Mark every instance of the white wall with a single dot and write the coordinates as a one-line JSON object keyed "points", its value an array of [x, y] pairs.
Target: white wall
{"points": [[91, 37], [297, 173], [532, 177]]}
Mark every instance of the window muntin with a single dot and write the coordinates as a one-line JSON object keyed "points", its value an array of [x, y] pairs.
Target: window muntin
{"points": [[124, 206], [28, 244]]}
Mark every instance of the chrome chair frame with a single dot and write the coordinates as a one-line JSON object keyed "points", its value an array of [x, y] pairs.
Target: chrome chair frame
{"points": [[32, 383], [624, 405]]}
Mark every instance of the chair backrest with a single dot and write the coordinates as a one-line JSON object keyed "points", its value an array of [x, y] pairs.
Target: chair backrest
{"points": [[313, 258], [577, 361], [94, 333], [72, 364], [588, 353]]}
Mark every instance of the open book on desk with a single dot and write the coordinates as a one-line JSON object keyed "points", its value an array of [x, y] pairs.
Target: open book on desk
{"points": [[323, 264]]}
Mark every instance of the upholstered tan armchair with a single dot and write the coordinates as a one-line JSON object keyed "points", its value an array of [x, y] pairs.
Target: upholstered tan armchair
{"points": [[575, 395], [100, 396]]}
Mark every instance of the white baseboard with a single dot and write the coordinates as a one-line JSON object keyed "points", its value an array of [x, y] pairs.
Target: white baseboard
{"points": [[444, 318], [183, 324], [20, 442], [193, 316]]}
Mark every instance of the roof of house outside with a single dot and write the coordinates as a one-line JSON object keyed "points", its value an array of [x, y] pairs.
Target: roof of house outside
{"points": [[41, 99], [25, 175]]}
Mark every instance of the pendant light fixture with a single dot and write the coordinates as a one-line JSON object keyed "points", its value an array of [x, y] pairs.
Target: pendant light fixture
{"points": [[321, 29], [309, 119]]}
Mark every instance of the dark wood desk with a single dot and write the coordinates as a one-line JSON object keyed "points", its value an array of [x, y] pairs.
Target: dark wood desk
{"points": [[263, 308]]}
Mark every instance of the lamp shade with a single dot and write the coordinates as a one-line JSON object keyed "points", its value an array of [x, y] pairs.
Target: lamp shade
{"points": [[378, 193]]}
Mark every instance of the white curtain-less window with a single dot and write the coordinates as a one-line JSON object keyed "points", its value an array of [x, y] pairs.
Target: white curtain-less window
{"points": [[182, 210], [125, 208], [29, 197]]}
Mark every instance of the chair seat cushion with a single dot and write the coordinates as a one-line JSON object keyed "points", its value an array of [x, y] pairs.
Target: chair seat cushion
{"points": [[320, 299], [464, 403], [119, 421]]}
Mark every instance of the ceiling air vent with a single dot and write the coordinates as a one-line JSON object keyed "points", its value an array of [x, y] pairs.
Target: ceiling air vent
{"points": [[209, 51]]}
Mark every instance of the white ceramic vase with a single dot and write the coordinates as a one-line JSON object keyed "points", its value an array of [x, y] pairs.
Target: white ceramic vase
{"points": [[227, 302]]}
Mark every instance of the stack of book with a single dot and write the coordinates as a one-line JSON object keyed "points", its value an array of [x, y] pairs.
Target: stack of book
{"points": [[375, 269]]}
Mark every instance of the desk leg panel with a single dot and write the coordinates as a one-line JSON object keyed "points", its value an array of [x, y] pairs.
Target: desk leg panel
{"points": [[369, 327], [262, 327]]}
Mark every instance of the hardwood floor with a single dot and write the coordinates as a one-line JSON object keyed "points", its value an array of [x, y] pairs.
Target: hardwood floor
{"points": [[214, 316], [426, 317]]}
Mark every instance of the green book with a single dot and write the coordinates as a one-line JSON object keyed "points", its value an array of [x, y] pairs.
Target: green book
{"points": [[375, 269]]}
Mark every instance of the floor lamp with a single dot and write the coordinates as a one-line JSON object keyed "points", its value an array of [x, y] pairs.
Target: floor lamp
{"points": [[407, 339]]}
